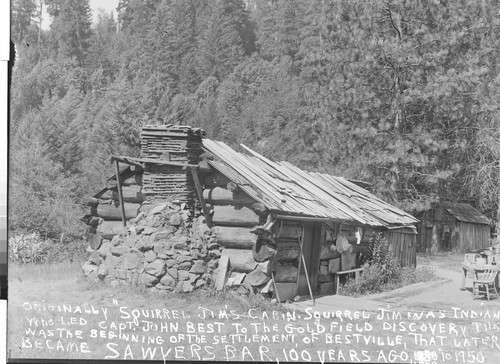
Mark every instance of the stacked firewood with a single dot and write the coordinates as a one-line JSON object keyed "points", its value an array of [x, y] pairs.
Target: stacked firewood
{"points": [[179, 145], [175, 143]]}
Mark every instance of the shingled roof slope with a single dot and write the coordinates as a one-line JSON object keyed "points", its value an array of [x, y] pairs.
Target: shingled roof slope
{"points": [[286, 189], [465, 212]]}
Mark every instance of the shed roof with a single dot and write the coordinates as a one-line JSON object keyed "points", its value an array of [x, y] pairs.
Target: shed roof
{"points": [[286, 189], [465, 212]]}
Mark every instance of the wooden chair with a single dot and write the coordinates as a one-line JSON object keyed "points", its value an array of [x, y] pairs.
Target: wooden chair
{"points": [[487, 281]]}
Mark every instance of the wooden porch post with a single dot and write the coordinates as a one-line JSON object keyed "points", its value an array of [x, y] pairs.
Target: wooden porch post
{"points": [[120, 193]]}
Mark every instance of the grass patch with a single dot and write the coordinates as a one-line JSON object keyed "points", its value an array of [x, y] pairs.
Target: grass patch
{"points": [[371, 280], [44, 272]]}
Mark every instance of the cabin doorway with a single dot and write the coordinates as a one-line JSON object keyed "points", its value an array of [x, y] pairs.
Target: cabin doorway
{"points": [[311, 248]]}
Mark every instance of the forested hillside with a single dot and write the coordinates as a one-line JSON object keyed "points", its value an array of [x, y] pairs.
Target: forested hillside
{"points": [[402, 94]]}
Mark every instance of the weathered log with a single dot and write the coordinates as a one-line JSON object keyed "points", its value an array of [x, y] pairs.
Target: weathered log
{"points": [[259, 209], [348, 260], [328, 252], [231, 186], [221, 276], [112, 212], [334, 265], [288, 251], [222, 196], [130, 194], [90, 201], [231, 216], [240, 260], [92, 220], [287, 231], [286, 273], [108, 229], [262, 252], [136, 179], [322, 278], [135, 168], [204, 167], [215, 179], [235, 237]]}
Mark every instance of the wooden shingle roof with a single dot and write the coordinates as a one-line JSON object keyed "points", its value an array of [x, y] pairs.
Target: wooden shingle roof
{"points": [[465, 212], [286, 189]]}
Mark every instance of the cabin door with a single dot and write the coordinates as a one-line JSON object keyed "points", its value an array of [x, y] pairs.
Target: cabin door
{"points": [[311, 249], [427, 239]]}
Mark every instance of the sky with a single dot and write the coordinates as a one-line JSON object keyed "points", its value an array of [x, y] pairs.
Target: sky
{"points": [[95, 5]]}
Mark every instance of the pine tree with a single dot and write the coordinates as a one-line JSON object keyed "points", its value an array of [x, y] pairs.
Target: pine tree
{"points": [[23, 12], [70, 27]]}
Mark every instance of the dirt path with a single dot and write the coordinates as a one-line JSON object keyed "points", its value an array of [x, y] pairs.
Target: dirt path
{"points": [[443, 293]]}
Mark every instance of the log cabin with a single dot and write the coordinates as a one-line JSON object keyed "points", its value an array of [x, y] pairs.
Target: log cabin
{"points": [[283, 230]]}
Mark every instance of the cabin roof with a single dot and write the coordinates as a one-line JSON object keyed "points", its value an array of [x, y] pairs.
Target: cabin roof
{"points": [[286, 189], [465, 212]]}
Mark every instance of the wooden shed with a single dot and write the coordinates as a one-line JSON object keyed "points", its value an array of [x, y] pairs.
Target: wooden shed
{"points": [[453, 226]]}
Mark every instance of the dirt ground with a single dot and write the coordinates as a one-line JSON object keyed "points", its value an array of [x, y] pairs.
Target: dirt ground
{"points": [[64, 284]]}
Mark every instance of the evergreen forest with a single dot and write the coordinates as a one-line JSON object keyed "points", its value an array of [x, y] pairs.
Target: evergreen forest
{"points": [[402, 94]]}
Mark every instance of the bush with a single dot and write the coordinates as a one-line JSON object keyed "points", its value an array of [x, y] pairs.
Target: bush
{"points": [[33, 249], [26, 248], [383, 272]]}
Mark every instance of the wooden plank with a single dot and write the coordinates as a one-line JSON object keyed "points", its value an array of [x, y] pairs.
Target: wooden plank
{"points": [[120, 196], [206, 211], [256, 277], [221, 276], [287, 273]]}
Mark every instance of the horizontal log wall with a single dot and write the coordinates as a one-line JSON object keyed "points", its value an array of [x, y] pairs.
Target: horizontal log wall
{"points": [[235, 215], [113, 211], [130, 194], [222, 196], [235, 237]]}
